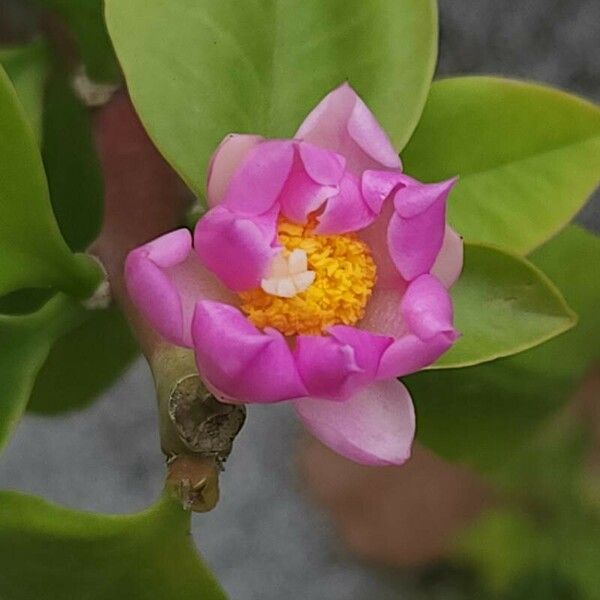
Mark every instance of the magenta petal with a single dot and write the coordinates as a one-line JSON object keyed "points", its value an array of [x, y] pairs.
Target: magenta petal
{"points": [[259, 179], [426, 310], [376, 186], [382, 314], [449, 262], [346, 211], [164, 279], [155, 295], [416, 229], [226, 159], [376, 426], [314, 178], [337, 365], [368, 347], [375, 235], [301, 194], [410, 354], [343, 123], [237, 249], [240, 361], [326, 366], [368, 134], [322, 166]]}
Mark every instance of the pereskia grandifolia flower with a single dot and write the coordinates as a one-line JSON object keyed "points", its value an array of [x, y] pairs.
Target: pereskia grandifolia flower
{"points": [[319, 275]]}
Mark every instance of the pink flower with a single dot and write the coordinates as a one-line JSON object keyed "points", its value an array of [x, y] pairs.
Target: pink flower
{"points": [[319, 275]]}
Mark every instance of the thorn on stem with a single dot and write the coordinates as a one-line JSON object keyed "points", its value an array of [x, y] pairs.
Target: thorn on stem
{"points": [[194, 481]]}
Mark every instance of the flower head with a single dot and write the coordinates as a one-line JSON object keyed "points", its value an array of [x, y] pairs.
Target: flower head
{"points": [[319, 275]]}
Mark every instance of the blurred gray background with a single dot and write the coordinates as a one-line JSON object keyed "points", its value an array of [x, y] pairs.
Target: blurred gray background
{"points": [[264, 540]]}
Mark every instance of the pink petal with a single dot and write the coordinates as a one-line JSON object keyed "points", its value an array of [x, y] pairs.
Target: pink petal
{"points": [[318, 178], [337, 365], [382, 314], [322, 166], [326, 366], [245, 364], [237, 249], [410, 354], [226, 159], [377, 186], [368, 348], [426, 310], [449, 262], [314, 178], [164, 280], [346, 211], [343, 123], [375, 235], [416, 229], [376, 426], [259, 179]]}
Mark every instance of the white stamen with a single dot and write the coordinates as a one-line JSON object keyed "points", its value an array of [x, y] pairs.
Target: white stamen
{"points": [[289, 275], [286, 288], [269, 286], [303, 281], [297, 262], [279, 266]]}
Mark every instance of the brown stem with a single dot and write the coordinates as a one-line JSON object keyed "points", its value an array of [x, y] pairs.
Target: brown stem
{"points": [[194, 481], [142, 199]]}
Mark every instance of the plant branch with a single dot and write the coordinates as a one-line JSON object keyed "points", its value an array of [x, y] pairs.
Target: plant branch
{"points": [[144, 198]]}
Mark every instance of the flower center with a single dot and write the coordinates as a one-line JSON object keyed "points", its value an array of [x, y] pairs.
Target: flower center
{"points": [[317, 281]]}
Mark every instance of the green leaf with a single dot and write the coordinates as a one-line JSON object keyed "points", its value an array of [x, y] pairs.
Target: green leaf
{"points": [[55, 553], [72, 166], [580, 562], [503, 305], [503, 544], [85, 19], [519, 547], [527, 156], [26, 66], [83, 363], [482, 414], [519, 560], [32, 251], [103, 341], [198, 69], [569, 260], [26, 341]]}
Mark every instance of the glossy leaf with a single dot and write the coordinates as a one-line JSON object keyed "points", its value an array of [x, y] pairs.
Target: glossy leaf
{"points": [[26, 341], [83, 363], [24, 301], [32, 251], [103, 341], [482, 414], [26, 66], [72, 167], [55, 553], [527, 156], [85, 19], [503, 305], [198, 69]]}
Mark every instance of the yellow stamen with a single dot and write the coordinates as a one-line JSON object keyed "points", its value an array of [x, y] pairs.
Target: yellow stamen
{"points": [[345, 276]]}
